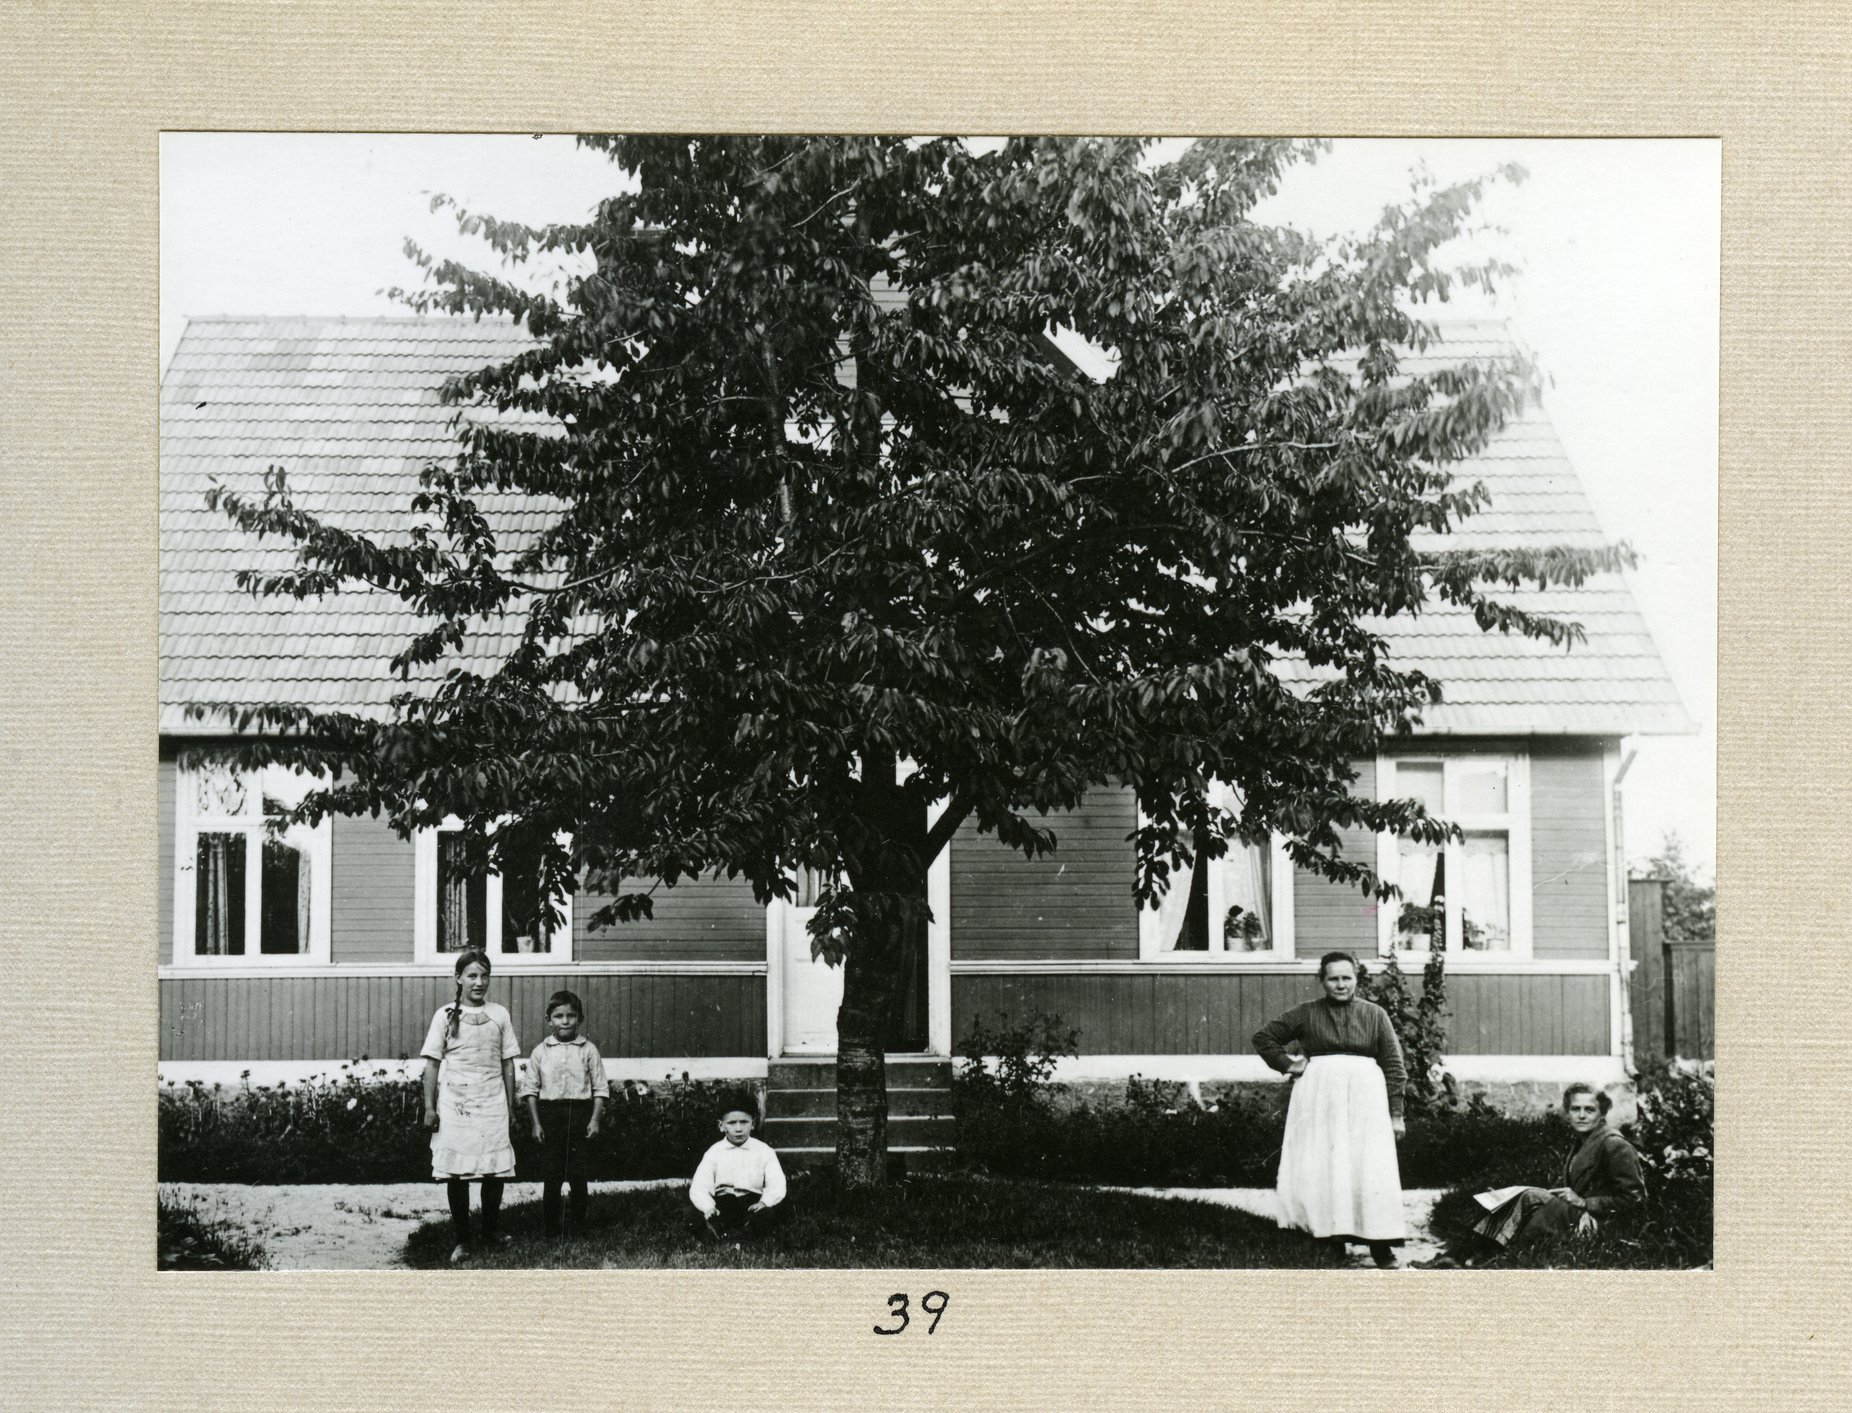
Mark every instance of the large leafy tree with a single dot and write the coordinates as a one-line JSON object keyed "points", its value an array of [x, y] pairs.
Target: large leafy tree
{"points": [[829, 573]]}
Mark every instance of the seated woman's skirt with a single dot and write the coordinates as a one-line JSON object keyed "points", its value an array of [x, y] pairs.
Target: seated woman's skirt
{"points": [[1338, 1171], [1528, 1215]]}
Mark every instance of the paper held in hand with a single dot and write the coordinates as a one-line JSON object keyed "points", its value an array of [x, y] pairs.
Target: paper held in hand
{"points": [[1497, 1197]]}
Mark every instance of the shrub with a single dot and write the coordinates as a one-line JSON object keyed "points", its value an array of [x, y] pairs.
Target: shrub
{"points": [[1673, 1228], [185, 1240], [1420, 1025], [361, 1125], [1024, 1056], [1473, 1142], [1009, 1121]]}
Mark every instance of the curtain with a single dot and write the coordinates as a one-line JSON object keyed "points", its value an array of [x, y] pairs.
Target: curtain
{"points": [[218, 920], [1485, 892], [1249, 887], [1174, 906], [459, 904]]}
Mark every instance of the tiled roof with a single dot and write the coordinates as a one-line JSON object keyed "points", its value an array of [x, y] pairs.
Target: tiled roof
{"points": [[350, 407]]}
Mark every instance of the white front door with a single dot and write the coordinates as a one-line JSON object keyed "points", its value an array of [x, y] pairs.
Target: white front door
{"points": [[812, 988]]}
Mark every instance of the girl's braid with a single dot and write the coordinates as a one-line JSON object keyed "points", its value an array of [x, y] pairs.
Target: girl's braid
{"points": [[456, 1014]]}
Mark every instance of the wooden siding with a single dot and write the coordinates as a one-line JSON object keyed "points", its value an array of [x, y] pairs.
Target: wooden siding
{"points": [[1073, 903], [1569, 852], [1201, 1013], [383, 1017], [166, 776], [371, 879], [1327, 915], [700, 919]]}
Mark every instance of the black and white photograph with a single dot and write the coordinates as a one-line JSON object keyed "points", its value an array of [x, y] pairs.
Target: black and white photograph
{"points": [[936, 703]]}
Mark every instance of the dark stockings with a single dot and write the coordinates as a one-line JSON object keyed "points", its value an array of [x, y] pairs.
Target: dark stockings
{"points": [[458, 1191]]}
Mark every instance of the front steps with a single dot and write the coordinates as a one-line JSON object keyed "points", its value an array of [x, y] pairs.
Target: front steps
{"points": [[800, 1109]]}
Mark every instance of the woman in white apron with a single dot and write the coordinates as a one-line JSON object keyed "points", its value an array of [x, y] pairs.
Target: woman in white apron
{"points": [[1339, 1179]]}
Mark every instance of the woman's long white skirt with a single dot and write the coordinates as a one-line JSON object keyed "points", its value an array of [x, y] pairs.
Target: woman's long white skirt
{"points": [[1338, 1173]]}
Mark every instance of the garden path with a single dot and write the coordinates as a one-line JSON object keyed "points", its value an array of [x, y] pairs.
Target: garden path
{"points": [[364, 1226], [340, 1226], [1417, 1208]]}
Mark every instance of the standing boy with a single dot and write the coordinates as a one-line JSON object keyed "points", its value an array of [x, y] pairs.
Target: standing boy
{"points": [[739, 1183], [565, 1089]]}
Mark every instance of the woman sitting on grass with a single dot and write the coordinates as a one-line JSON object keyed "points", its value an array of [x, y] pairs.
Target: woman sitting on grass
{"points": [[1601, 1179]]}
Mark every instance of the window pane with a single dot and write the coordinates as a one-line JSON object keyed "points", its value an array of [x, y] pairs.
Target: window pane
{"points": [[1421, 869], [462, 899], [218, 790], [1481, 787], [218, 895], [1247, 926], [809, 886], [527, 925], [1421, 780], [1485, 893], [284, 905]]}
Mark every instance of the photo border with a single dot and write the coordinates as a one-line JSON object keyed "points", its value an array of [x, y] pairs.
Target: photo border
{"points": [[89, 1322]]}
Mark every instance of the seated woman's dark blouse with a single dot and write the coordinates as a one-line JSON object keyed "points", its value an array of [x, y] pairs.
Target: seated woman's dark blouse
{"points": [[1604, 1171]]}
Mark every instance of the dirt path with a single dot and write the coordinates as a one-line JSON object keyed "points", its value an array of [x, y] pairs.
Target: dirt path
{"points": [[1417, 1207], [324, 1227], [337, 1227]]}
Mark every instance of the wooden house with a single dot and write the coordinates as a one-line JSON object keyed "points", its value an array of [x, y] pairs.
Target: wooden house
{"points": [[285, 956]]}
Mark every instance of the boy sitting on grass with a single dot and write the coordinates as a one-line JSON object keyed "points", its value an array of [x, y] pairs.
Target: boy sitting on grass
{"points": [[739, 1184]]}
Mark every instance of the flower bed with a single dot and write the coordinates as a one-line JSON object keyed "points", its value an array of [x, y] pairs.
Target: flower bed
{"points": [[363, 1125]]}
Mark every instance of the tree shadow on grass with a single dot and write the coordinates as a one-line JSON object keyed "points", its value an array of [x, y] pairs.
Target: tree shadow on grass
{"points": [[950, 1221]]}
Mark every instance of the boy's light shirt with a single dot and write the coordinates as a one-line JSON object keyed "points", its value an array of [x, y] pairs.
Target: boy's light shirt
{"points": [[564, 1069], [751, 1166]]}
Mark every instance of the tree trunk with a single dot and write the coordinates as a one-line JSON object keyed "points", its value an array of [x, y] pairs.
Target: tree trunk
{"points": [[868, 984], [890, 880]]}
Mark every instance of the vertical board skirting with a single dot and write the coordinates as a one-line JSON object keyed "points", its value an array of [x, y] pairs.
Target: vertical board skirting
{"points": [[1207, 1013], [385, 1017]]}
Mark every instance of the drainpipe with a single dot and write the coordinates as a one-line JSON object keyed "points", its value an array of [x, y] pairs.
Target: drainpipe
{"points": [[1621, 914]]}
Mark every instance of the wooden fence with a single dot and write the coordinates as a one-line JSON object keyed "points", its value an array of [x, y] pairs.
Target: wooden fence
{"points": [[1674, 984]]}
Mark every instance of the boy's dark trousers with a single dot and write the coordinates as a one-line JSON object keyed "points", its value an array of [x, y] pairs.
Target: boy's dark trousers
{"points": [[564, 1156], [733, 1214]]}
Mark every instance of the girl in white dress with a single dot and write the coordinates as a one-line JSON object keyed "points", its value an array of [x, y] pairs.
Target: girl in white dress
{"points": [[469, 1098]]}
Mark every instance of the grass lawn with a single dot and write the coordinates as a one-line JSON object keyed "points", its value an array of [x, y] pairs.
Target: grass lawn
{"points": [[931, 1220], [187, 1241]]}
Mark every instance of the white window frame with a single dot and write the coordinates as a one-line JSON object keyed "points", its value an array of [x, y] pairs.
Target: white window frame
{"points": [[316, 842], [424, 910], [1514, 823], [1280, 881]]}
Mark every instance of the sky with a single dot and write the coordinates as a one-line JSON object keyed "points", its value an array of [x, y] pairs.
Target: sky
{"points": [[1618, 298]]}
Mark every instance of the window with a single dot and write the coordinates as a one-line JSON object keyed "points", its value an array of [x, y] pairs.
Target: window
{"points": [[247, 889], [1232, 908], [457, 908], [1471, 895]]}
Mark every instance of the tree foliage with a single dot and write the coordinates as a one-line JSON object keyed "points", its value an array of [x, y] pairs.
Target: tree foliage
{"points": [[1690, 894], [819, 557]]}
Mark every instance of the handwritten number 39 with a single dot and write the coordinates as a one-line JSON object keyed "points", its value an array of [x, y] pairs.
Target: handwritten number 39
{"points": [[933, 1302]]}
